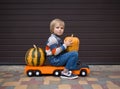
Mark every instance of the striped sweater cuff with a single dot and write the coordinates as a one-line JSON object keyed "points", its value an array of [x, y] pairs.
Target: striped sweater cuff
{"points": [[63, 47]]}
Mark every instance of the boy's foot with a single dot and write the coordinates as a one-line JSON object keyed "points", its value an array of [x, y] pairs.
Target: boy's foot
{"points": [[68, 75]]}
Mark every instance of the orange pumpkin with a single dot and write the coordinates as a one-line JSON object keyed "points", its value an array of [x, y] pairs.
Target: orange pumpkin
{"points": [[75, 43]]}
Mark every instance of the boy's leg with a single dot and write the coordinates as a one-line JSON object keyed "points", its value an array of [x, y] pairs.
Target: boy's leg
{"points": [[69, 59]]}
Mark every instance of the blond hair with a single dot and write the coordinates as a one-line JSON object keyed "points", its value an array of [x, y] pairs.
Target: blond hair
{"points": [[54, 22]]}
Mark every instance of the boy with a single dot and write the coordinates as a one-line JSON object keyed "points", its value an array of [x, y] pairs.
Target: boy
{"points": [[55, 50]]}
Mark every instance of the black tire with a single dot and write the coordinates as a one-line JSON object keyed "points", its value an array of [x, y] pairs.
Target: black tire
{"points": [[37, 73], [57, 73], [30, 73], [83, 73]]}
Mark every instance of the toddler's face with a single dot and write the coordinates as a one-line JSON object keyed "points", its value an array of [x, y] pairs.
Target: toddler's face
{"points": [[58, 29]]}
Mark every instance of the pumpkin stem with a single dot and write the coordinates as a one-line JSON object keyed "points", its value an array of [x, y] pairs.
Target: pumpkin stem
{"points": [[34, 46], [72, 35]]}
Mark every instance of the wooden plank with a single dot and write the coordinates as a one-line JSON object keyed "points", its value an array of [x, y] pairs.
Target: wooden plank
{"points": [[82, 47], [46, 18], [83, 41], [27, 6], [68, 30], [71, 23], [57, 13], [41, 35], [87, 60], [81, 53], [61, 1]]}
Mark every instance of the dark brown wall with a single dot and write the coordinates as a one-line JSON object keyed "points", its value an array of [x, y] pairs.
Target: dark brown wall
{"points": [[26, 22]]}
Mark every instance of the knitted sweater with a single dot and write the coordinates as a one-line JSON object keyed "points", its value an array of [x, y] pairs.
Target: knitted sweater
{"points": [[54, 45]]}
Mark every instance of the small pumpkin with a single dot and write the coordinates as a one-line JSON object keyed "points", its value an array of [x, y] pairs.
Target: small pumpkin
{"points": [[75, 43], [35, 56]]}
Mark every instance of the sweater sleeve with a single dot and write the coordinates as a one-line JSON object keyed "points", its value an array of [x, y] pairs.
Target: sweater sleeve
{"points": [[58, 50], [54, 47]]}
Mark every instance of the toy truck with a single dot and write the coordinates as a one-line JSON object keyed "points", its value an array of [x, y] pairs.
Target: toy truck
{"points": [[35, 65], [53, 70]]}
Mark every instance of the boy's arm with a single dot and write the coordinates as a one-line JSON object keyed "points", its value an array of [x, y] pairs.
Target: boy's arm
{"points": [[53, 49], [57, 50]]}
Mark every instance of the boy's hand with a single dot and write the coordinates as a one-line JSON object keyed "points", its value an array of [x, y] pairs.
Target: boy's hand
{"points": [[68, 42]]}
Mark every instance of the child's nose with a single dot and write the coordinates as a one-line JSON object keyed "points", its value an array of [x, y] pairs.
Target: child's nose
{"points": [[59, 28]]}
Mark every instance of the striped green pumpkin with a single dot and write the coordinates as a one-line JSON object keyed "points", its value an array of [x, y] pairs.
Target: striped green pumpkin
{"points": [[35, 56]]}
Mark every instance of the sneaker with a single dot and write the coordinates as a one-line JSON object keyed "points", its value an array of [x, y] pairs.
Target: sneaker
{"points": [[68, 75]]}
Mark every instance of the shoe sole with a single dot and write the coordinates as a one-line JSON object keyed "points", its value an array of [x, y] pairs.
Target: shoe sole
{"points": [[63, 77]]}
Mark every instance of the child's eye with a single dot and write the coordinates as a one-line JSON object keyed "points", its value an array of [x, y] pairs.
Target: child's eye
{"points": [[61, 27], [57, 27]]}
